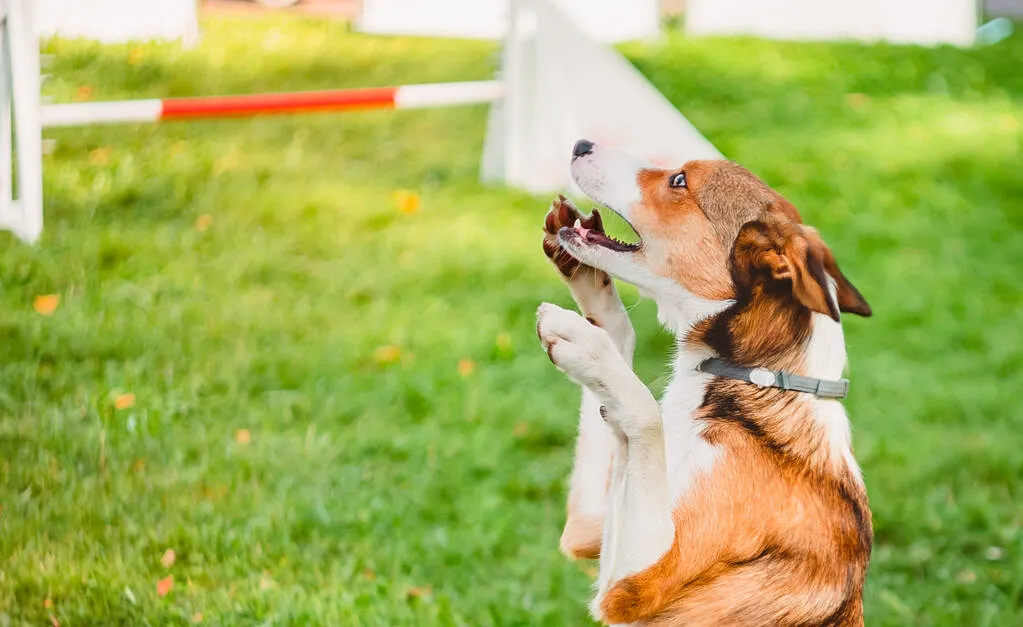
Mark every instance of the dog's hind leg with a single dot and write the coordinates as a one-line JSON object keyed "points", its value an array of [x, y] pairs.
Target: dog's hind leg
{"points": [[595, 294]]}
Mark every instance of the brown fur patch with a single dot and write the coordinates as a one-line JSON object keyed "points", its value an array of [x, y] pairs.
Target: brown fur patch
{"points": [[581, 537]]}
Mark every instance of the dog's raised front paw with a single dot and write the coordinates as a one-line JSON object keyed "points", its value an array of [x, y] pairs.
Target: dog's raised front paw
{"points": [[587, 355], [564, 214], [581, 350]]}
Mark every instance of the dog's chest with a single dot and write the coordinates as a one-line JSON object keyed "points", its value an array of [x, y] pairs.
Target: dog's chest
{"points": [[688, 454]]}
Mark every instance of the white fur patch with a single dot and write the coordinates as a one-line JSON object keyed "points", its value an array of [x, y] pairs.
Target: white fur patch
{"points": [[609, 177], [689, 455], [592, 468], [825, 359]]}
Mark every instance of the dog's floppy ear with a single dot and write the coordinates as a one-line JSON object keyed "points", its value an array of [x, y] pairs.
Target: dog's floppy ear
{"points": [[797, 255], [849, 298]]}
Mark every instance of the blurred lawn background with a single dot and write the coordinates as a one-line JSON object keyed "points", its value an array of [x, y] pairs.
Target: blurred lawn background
{"points": [[325, 396]]}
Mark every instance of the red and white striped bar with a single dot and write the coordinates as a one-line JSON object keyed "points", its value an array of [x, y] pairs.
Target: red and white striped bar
{"points": [[155, 110]]}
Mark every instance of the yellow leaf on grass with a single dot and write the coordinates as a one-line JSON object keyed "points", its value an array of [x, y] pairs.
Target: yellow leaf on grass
{"points": [[168, 558], [857, 101], [420, 591], [47, 603], [46, 304], [406, 201], [124, 401], [242, 436], [84, 93], [466, 367], [165, 585], [99, 156], [388, 354], [227, 162], [266, 581], [203, 222], [135, 56], [197, 617]]}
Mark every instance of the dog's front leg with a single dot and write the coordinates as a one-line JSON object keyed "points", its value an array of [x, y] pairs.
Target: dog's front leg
{"points": [[595, 294], [638, 527]]}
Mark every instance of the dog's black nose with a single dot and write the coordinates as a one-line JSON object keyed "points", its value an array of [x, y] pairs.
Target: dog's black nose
{"points": [[581, 148]]}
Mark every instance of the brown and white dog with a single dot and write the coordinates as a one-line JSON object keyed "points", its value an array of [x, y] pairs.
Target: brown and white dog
{"points": [[726, 503]]}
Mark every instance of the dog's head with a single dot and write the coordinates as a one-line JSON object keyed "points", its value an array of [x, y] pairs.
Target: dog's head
{"points": [[687, 219]]}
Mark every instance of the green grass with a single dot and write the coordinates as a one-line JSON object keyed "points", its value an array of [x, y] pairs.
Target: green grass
{"points": [[365, 482]]}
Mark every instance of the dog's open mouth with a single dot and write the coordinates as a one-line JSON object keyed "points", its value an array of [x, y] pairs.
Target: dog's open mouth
{"points": [[600, 238], [582, 230]]}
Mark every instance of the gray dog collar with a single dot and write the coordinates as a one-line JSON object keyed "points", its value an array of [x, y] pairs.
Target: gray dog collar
{"points": [[764, 378]]}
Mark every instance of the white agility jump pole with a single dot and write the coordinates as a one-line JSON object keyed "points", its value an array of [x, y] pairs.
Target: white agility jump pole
{"points": [[538, 108]]}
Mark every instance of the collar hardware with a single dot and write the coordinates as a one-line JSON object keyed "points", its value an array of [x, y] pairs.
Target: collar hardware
{"points": [[765, 378]]}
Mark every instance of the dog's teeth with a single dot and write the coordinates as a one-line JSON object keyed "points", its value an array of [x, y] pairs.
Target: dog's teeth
{"points": [[578, 223]]}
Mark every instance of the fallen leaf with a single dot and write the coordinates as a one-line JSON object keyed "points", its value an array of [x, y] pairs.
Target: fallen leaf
{"points": [[966, 577], [417, 592], [124, 401], [242, 436], [135, 56], [139, 465], [47, 603], [168, 558], [520, 430], [857, 101], [99, 156], [165, 585], [388, 354], [466, 367], [266, 581], [197, 617], [407, 202], [369, 575], [84, 93], [225, 163], [203, 222], [46, 304]]}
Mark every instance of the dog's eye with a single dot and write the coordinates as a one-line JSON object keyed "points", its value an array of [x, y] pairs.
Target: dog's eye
{"points": [[679, 180]]}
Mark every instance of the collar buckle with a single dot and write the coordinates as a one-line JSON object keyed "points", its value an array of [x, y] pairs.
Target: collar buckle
{"points": [[762, 377]]}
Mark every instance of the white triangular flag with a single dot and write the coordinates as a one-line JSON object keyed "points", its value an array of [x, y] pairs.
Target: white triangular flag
{"points": [[561, 86]]}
